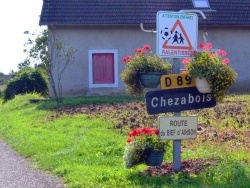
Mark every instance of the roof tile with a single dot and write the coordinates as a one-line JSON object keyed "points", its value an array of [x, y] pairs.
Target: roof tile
{"points": [[134, 12]]}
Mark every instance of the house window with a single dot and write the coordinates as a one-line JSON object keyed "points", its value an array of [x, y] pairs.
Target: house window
{"points": [[201, 4], [103, 68]]}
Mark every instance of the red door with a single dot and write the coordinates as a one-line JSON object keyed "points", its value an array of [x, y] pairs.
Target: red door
{"points": [[103, 68]]}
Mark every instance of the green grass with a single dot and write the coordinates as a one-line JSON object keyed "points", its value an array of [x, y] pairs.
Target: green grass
{"points": [[87, 152]]}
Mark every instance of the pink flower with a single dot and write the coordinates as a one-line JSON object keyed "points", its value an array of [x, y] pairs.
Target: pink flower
{"points": [[225, 61], [221, 53], [207, 46], [185, 61], [146, 47]]}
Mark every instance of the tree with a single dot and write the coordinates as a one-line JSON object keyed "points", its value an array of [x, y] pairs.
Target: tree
{"points": [[53, 55]]}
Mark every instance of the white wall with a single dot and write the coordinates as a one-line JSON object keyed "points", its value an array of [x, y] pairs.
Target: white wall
{"points": [[236, 43], [126, 39]]}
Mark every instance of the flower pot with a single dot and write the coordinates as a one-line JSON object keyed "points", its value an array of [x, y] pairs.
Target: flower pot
{"points": [[202, 85], [150, 79], [154, 157]]}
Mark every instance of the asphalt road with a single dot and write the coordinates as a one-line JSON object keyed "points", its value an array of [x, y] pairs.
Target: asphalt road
{"points": [[17, 172]]}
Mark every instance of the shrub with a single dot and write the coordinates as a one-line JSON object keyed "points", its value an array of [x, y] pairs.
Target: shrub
{"points": [[27, 80]]}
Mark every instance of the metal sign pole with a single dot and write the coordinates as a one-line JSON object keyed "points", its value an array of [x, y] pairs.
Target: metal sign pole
{"points": [[176, 143]]}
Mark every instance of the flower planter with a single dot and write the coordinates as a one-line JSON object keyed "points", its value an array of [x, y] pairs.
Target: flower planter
{"points": [[154, 157], [150, 79], [202, 85]]}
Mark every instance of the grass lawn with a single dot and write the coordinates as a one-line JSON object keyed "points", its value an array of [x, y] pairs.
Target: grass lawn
{"points": [[86, 149]]}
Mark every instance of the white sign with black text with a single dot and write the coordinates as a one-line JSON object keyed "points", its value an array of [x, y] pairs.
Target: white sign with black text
{"points": [[177, 128]]}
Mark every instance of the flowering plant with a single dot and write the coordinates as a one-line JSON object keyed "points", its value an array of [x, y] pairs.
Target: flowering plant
{"points": [[143, 60], [140, 140], [214, 67]]}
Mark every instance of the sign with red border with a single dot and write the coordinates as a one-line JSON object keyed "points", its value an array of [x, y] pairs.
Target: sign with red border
{"points": [[176, 34]]}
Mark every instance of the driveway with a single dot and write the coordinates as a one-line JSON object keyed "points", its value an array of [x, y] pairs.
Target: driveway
{"points": [[17, 172]]}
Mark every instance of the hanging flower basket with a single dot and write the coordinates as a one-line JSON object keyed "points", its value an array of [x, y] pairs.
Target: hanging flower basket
{"points": [[143, 60], [202, 85], [154, 157], [150, 79], [213, 66]]}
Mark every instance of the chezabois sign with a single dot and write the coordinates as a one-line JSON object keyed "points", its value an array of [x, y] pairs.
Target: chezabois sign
{"points": [[175, 100]]}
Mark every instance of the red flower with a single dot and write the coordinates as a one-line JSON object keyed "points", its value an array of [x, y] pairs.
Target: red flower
{"points": [[225, 61], [142, 131], [147, 47], [135, 132], [201, 45], [138, 50], [147, 130], [126, 59], [156, 131]]}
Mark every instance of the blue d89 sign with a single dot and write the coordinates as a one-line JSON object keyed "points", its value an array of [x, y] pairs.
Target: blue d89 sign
{"points": [[176, 100]]}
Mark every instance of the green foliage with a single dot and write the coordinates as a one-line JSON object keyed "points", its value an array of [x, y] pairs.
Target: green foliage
{"points": [[133, 154], [37, 49], [27, 80]]}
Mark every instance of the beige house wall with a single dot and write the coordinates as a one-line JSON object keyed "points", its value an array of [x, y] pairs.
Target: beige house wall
{"points": [[75, 79]]}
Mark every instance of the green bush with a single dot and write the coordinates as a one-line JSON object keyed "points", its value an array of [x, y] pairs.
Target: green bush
{"points": [[27, 80]]}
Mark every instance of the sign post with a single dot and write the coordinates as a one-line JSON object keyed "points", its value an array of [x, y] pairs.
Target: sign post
{"points": [[176, 143], [176, 38]]}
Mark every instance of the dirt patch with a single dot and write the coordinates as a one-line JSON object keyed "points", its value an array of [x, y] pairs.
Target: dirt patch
{"points": [[125, 116], [190, 166]]}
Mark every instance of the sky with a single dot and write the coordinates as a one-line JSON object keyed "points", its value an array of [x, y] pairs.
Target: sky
{"points": [[16, 16]]}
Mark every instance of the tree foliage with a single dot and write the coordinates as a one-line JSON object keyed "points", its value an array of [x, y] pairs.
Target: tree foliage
{"points": [[51, 54], [27, 80]]}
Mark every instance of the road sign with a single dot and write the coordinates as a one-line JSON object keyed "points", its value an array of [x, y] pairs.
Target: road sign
{"points": [[176, 34], [175, 100], [173, 81], [177, 128]]}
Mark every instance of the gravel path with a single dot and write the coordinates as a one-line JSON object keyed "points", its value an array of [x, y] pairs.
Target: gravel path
{"points": [[16, 172]]}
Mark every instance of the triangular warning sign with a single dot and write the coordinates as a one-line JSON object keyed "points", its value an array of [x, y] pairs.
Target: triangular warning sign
{"points": [[188, 47]]}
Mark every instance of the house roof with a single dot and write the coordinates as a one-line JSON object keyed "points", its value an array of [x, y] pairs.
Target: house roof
{"points": [[134, 12]]}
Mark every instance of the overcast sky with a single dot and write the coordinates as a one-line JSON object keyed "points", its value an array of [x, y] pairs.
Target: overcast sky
{"points": [[16, 16]]}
